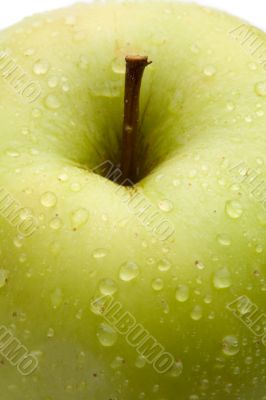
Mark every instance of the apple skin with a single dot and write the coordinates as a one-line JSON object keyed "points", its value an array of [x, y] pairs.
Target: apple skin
{"points": [[200, 118]]}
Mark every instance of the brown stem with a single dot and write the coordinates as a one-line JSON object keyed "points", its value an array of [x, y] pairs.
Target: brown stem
{"points": [[135, 66]]}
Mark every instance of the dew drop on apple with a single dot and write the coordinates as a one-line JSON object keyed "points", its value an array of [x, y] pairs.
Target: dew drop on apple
{"points": [[222, 278], [50, 333], [53, 82], [29, 52], [84, 62], [41, 67], [234, 209], [118, 362], [56, 298], [230, 345], [164, 265], [156, 388], [118, 66], [194, 397], [140, 362], [48, 199], [98, 305], [99, 253], [182, 293], [196, 313], [52, 102], [195, 48], [209, 70], [157, 284], [66, 87], [108, 287], [70, 20], [13, 153], [79, 217], [248, 360], [129, 271], [75, 187], [22, 258], [224, 240], [199, 265], [260, 89], [176, 370], [63, 177], [55, 223], [165, 205], [18, 241], [230, 106], [107, 336], [3, 277]]}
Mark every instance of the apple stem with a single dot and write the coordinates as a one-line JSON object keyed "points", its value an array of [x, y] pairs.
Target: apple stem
{"points": [[135, 66]]}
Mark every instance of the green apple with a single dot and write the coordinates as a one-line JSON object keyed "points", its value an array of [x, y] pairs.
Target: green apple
{"points": [[81, 268]]}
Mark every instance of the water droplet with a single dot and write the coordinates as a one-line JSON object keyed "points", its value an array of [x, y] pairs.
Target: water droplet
{"points": [[29, 52], [252, 66], [165, 205], [176, 370], [55, 223], [164, 265], [36, 113], [12, 153], [99, 253], [259, 249], [107, 336], [56, 298], [195, 48], [53, 82], [182, 293], [50, 333], [48, 199], [196, 313], [234, 209], [70, 20], [22, 258], [3, 277], [230, 106], [66, 87], [18, 241], [107, 89], [52, 102], [199, 265], [41, 67], [209, 70], [75, 187], [222, 278], [84, 62], [108, 287], [230, 345], [193, 397], [118, 362], [129, 271], [260, 113], [248, 119], [140, 362], [63, 177], [157, 284], [118, 65], [260, 89], [224, 240], [79, 218]]}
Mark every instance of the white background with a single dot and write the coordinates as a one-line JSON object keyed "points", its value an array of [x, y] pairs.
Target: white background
{"points": [[12, 11]]}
